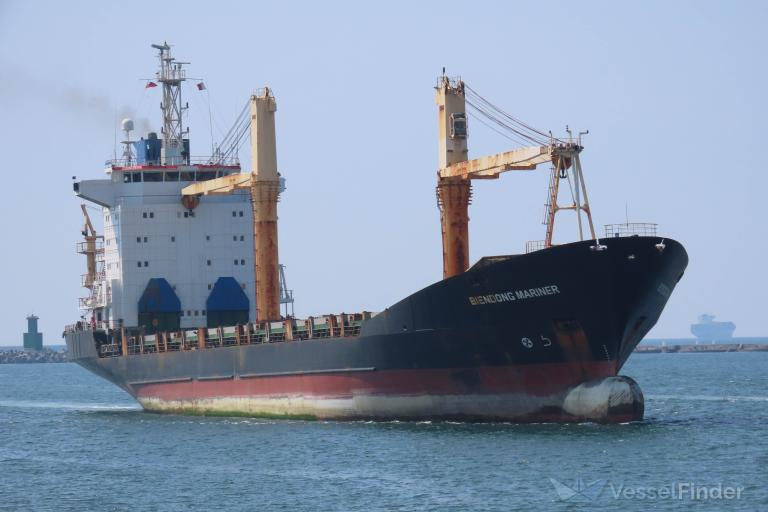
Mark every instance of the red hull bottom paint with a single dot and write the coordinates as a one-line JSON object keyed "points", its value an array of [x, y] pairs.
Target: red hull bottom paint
{"points": [[528, 393]]}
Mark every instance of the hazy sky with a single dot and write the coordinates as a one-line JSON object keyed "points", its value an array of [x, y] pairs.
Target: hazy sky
{"points": [[673, 94]]}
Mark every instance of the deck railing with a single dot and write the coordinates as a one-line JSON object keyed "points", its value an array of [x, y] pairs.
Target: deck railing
{"points": [[120, 342], [630, 229], [195, 160]]}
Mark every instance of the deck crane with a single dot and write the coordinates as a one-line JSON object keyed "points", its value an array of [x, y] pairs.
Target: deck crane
{"points": [[454, 188], [90, 248], [264, 184]]}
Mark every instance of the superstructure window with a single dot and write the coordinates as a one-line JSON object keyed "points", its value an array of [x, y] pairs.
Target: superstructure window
{"points": [[138, 239], [172, 176], [144, 214], [208, 238], [138, 264], [234, 238], [209, 263], [241, 213], [235, 262], [145, 239], [205, 175], [242, 238], [210, 286], [173, 239], [146, 263], [242, 262], [151, 215], [126, 177], [234, 214], [153, 177], [136, 177], [187, 176]]}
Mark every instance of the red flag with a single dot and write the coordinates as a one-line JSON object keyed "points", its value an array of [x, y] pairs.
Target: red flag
{"points": [[200, 86], [150, 85]]}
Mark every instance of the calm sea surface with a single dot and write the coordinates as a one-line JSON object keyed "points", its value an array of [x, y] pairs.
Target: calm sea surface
{"points": [[70, 441]]}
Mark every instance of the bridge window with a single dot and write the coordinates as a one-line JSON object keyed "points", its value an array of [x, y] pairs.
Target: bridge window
{"points": [[153, 177]]}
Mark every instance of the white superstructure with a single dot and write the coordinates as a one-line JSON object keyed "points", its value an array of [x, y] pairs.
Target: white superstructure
{"points": [[161, 256], [148, 234]]}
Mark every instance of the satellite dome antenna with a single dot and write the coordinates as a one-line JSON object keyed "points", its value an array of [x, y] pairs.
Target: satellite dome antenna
{"points": [[127, 125]]}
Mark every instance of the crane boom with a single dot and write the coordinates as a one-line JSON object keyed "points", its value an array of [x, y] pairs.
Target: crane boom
{"points": [[223, 186], [489, 167]]}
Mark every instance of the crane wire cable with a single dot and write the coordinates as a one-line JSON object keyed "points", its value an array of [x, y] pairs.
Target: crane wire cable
{"points": [[504, 124], [510, 117], [489, 126], [492, 117], [236, 136], [231, 134]]}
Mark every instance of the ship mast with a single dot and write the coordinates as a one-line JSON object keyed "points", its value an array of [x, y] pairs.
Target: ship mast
{"points": [[171, 74]]}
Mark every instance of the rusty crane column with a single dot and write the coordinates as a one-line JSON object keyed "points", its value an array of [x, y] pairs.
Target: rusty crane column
{"points": [[453, 193], [265, 190]]}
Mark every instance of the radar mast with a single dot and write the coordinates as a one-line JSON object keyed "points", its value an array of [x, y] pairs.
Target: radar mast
{"points": [[171, 74]]}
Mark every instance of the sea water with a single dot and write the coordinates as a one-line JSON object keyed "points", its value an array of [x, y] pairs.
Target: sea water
{"points": [[71, 441]]}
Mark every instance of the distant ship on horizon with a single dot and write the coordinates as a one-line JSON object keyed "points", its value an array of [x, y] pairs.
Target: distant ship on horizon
{"points": [[708, 330]]}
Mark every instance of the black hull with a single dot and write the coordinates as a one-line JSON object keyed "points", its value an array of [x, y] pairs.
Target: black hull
{"points": [[523, 330]]}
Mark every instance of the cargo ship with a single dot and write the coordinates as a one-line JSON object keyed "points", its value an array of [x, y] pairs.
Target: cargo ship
{"points": [[188, 308], [708, 330]]}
